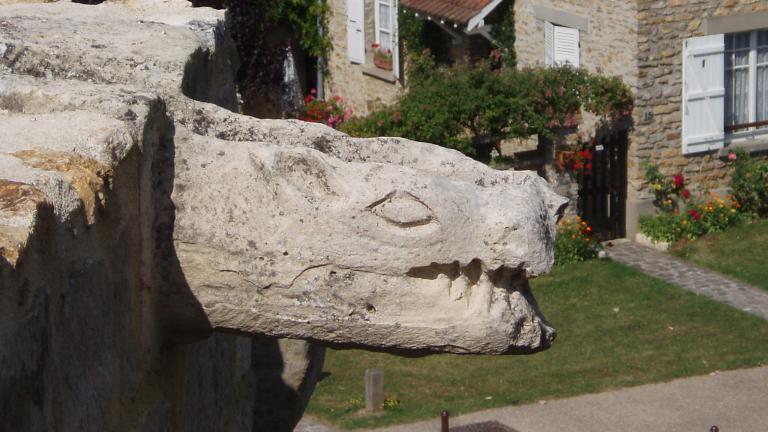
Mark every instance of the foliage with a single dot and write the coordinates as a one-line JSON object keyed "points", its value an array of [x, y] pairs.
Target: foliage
{"points": [[680, 215], [354, 404], [332, 112], [391, 403], [749, 182], [662, 227], [617, 328], [503, 32], [410, 30], [574, 242], [264, 33], [306, 19], [469, 108], [667, 192]]}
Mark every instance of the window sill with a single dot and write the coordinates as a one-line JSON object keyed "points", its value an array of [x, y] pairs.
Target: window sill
{"points": [[750, 145], [373, 71]]}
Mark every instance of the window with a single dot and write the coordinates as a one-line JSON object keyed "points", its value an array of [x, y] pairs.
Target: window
{"points": [[561, 45], [384, 19], [746, 79], [725, 89], [384, 33]]}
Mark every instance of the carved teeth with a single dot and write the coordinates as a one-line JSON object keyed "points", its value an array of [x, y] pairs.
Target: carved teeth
{"points": [[459, 288], [500, 302], [480, 296]]}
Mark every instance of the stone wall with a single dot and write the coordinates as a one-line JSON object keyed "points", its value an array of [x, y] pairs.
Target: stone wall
{"points": [[89, 339], [363, 92], [662, 28], [608, 46]]}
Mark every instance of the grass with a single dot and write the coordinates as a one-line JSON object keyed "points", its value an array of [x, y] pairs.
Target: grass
{"points": [[617, 328], [739, 252]]}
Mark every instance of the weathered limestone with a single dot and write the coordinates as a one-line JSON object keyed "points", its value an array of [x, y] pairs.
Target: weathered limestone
{"points": [[138, 213]]}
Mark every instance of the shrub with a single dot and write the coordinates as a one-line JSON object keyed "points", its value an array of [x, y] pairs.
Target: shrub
{"points": [[469, 108], [574, 242], [332, 112], [680, 215], [750, 182], [664, 227]]}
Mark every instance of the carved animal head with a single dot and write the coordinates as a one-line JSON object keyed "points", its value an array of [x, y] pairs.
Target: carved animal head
{"points": [[384, 243]]}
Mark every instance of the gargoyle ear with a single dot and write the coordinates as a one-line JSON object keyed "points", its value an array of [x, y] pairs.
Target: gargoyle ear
{"points": [[306, 171]]}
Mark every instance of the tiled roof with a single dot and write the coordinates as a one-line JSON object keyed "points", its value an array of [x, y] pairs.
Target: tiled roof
{"points": [[457, 11]]}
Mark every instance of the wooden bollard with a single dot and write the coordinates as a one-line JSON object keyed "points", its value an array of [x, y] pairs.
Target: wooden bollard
{"points": [[374, 389], [444, 421]]}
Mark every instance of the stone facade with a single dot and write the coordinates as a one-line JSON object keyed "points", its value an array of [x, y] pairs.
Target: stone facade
{"points": [[662, 28], [363, 85], [602, 50]]}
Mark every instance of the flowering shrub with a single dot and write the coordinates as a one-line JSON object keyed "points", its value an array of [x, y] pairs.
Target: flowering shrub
{"points": [[332, 112], [577, 158], [750, 182], [682, 216], [668, 193], [574, 241], [469, 107]]}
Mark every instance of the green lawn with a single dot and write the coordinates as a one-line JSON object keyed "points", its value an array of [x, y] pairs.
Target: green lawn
{"points": [[739, 252], [616, 327]]}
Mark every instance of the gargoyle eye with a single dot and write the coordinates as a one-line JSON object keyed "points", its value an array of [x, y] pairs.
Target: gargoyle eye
{"points": [[402, 209]]}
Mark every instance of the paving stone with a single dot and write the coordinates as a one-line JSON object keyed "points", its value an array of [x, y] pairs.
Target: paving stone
{"points": [[691, 277]]}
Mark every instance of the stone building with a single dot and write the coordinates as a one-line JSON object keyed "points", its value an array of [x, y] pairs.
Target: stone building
{"points": [[698, 69]]}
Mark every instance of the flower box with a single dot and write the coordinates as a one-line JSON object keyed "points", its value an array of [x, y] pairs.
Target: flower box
{"points": [[383, 63]]}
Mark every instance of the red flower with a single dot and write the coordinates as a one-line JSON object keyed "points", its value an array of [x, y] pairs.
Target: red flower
{"points": [[586, 154], [685, 193], [588, 166], [694, 214], [679, 181]]}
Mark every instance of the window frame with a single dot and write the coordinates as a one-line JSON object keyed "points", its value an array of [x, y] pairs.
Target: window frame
{"points": [[377, 28], [753, 127]]}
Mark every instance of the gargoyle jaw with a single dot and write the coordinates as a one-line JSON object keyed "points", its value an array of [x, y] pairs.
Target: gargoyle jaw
{"points": [[438, 308]]}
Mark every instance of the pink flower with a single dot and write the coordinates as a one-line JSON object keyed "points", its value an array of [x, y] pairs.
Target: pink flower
{"points": [[679, 181], [313, 91], [732, 157], [685, 193]]}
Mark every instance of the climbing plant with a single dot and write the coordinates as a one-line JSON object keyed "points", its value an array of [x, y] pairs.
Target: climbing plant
{"points": [[265, 31], [503, 33]]}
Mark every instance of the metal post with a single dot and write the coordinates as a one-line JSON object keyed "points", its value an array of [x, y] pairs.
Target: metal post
{"points": [[374, 389], [444, 421]]}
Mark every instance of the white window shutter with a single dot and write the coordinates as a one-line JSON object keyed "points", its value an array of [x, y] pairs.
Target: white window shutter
{"points": [[566, 47], [549, 44], [355, 33], [703, 93]]}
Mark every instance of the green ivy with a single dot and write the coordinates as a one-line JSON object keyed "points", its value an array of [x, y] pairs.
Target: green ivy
{"points": [[503, 33], [308, 19]]}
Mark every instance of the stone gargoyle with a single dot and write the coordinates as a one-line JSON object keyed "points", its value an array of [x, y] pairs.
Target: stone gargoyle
{"points": [[139, 213]]}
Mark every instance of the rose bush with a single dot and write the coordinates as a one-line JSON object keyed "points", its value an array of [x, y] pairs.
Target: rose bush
{"points": [[575, 242]]}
